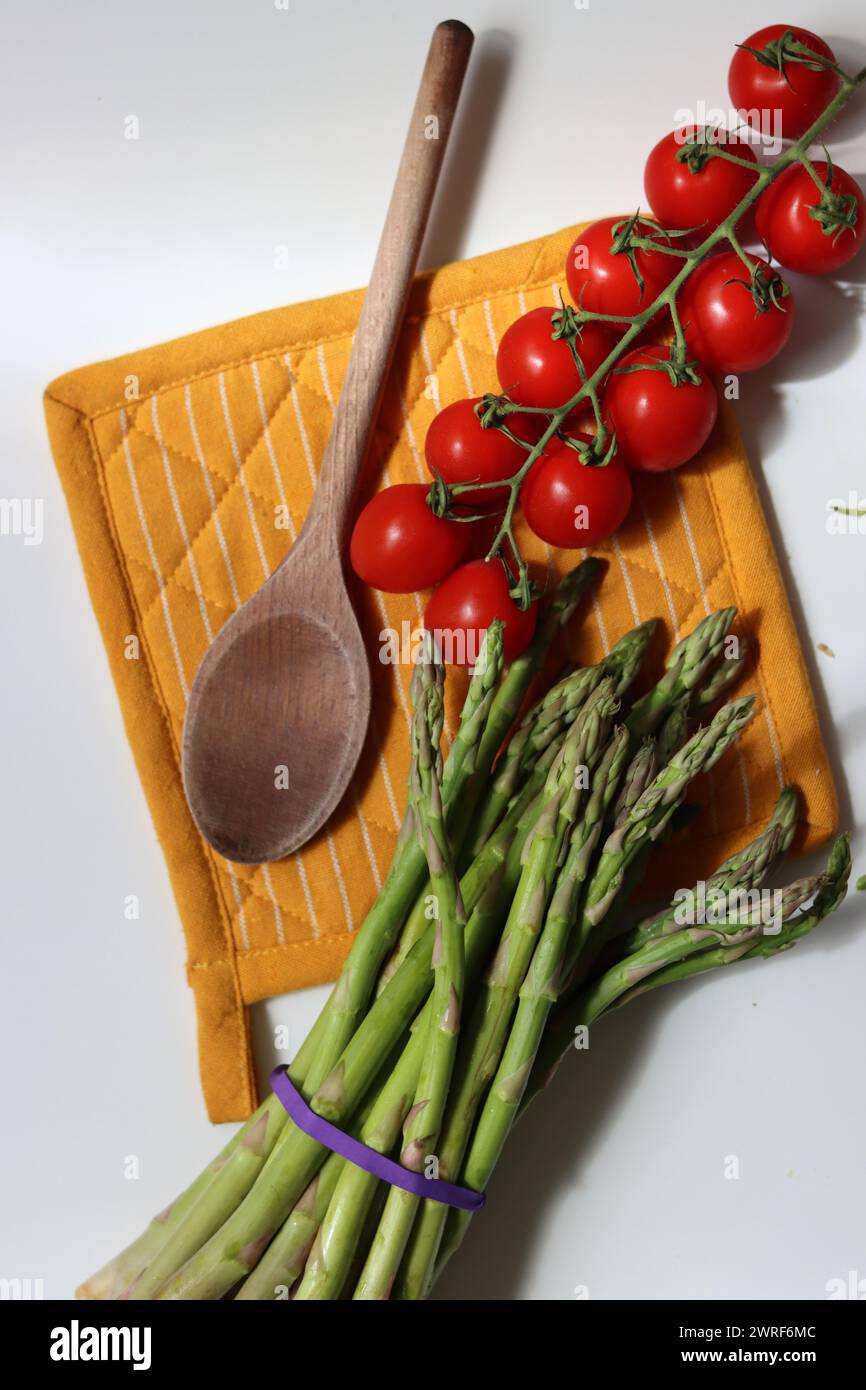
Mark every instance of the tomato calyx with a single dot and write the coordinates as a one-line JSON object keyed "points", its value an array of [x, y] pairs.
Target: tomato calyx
{"points": [[492, 411], [697, 150], [568, 325], [766, 287], [837, 212], [523, 590], [591, 455], [680, 369], [627, 241], [439, 497], [777, 53], [624, 233], [696, 153]]}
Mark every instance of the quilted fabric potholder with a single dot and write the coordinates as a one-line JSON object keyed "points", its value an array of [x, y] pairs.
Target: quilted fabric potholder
{"points": [[188, 469]]}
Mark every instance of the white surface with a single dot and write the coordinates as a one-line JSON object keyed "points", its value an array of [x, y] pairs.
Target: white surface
{"points": [[262, 128]]}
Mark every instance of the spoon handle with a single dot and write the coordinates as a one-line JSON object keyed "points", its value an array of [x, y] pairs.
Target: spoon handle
{"points": [[385, 301]]}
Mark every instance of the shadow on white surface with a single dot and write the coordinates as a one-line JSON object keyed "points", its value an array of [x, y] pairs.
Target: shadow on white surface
{"points": [[474, 129]]}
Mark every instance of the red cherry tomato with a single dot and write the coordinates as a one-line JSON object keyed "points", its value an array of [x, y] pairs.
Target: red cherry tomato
{"points": [[461, 450], [603, 281], [724, 328], [571, 504], [398, 545], [537, 369], [463, 607], [658, 425], [794, 95], [793, 236], [700, 191]]}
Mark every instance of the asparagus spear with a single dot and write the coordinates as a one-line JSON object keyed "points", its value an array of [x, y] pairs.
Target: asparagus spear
{"points": [[741, 928], [562, 703], [422, 1126], [830, 896], [539, 990], [664, 958], [726, 674], [115, 1278], [218, 1199], [672, 732], [638, 776], [655, 751], [339, 1223], [831, 892], [651, 813], [459, 769], [282, 1264], [485, 1036], [687, 668], [540, 728], [746, 869], [509, 697], [671, 727], [447, 960], [550, 715], [625, 658]]}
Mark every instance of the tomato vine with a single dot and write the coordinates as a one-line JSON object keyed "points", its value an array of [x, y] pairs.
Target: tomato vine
{"points": [[631, 236]]}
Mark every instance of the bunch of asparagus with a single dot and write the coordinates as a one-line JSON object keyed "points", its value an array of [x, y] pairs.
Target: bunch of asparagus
{"points": [[502, 928]]}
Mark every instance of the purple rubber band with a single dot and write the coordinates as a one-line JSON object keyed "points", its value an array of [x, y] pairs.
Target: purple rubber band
{"points": [[363, 1157]]}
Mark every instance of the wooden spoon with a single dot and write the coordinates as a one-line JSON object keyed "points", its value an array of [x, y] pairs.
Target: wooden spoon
{"points": [[279, 709]]}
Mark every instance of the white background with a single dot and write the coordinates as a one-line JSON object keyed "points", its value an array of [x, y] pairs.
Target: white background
{"points": [[259, 128]]}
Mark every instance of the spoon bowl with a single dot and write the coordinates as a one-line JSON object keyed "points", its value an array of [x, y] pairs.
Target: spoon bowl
{"points": [[260, 786]]}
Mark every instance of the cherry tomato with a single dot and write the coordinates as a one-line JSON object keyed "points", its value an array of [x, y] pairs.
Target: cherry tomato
{"points": [[724, 327], [571, 504], [462, 451], [603, 281], [463, 607], [794, 95], [399, 545], [700, 191], [796, 238], [537, 369], [658, 425]]}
